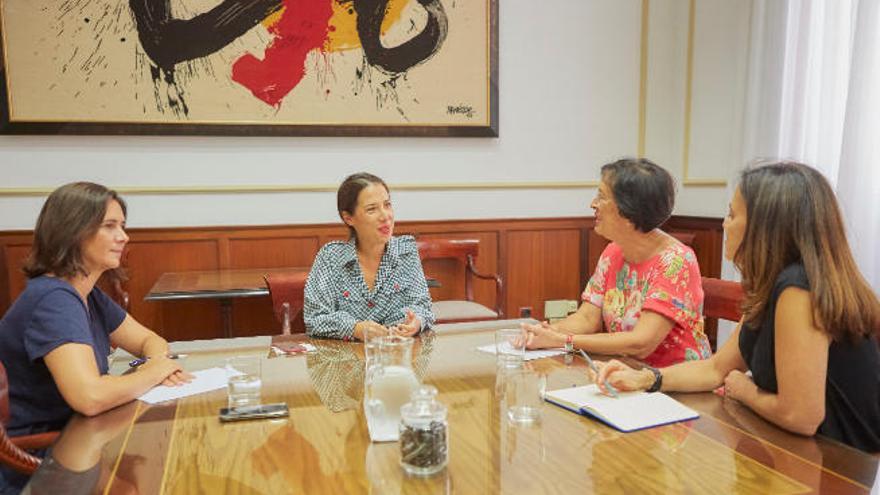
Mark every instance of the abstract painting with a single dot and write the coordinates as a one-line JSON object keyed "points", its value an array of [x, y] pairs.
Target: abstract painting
{"points": [[250, 67]]}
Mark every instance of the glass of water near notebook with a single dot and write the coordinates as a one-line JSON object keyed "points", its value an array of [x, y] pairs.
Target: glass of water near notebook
{"points": [[629, 411]]}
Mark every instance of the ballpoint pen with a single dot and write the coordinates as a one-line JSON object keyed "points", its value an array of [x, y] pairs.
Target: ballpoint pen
{"points": [[134, 363], [610, 388]]}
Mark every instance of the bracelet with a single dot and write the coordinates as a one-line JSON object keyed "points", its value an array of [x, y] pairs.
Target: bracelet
{"points": [[658, 379]]}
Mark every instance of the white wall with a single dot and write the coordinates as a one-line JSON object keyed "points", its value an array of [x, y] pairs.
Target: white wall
{"points": [[569, 102]]}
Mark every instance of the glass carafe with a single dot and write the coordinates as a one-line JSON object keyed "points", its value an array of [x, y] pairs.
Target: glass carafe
{"points": [[388, 385]]}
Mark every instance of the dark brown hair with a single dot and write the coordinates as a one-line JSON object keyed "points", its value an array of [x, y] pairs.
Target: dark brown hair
{"points": [[349, 190], [71, 214], [643, 191], [792, 216]]}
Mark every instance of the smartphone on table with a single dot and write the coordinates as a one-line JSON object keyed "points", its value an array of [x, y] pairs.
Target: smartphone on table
{"points": [[258, 411]]}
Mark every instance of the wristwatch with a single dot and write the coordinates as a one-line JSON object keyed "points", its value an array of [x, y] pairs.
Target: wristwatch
{"points": [[569, 343], [658, 379]]}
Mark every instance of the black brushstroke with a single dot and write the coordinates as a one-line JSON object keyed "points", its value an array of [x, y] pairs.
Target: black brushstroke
{"points": [[399, 59], [168, 41]]}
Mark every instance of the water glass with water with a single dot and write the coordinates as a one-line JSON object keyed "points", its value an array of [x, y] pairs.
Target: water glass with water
{"points": [[244, 376], [510, 346], [523, 396]]}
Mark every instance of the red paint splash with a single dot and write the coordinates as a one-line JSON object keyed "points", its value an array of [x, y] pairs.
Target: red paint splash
{"points": [[303, 27]]}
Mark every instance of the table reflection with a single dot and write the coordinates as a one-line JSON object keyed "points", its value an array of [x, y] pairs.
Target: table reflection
{"points": [[73, 465], [337, 370]]}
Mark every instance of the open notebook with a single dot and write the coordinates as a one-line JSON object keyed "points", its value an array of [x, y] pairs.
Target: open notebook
{"points": [[631, 411]]}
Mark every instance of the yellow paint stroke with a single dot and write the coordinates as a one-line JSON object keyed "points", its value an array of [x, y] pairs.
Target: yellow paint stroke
{"points": [[343, 24]]}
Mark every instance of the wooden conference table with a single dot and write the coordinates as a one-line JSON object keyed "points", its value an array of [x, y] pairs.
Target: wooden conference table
{"points": [[324, 447], [224, 285]]}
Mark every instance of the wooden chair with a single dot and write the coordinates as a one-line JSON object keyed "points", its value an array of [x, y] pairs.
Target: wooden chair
{"points": [[721, 299], [288, 288], [464, 251], [13, 450]]}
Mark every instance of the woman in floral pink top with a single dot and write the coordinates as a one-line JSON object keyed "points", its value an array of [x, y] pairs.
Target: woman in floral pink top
{"points": [[645, 298]]}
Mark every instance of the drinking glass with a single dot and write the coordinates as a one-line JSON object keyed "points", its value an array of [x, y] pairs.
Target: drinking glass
{"points": [[510, 346], [245, 380], [523, 396]]}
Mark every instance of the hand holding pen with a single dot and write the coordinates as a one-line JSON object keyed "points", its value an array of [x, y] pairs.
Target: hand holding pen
{"points": [[134, 363], [610, 388], [174, 377]]}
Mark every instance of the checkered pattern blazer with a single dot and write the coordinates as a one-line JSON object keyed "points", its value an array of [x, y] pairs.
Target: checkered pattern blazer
{"points": [[337, 297]]}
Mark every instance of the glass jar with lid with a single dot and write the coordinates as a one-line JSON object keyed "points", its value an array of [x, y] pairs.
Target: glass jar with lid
{"points": [[423, 433]]}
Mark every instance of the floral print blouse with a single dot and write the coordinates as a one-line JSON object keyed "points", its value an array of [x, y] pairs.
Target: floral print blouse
{"points": [[337, 297], [668, 284]]}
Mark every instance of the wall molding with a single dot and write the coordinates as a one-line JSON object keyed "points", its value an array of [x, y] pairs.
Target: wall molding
{"points": [[309, 188]]}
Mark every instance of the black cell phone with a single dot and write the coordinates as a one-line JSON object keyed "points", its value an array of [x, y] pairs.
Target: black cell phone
{"points": [[259, 411]]}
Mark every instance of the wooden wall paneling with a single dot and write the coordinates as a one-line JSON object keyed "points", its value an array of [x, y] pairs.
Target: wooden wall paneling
{"points": [[4, 277], [451, 273], [145, 261], [272, 252], [253, 315], [542, 265], [16, 254], [520, 250]]}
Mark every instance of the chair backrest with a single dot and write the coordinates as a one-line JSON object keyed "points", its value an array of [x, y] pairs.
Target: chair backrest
{"points": [[722, 299], [288, 287], [463, 250]]}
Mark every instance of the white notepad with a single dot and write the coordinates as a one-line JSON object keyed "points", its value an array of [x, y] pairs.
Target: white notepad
{"points": [[203, 381], [629, 412]]}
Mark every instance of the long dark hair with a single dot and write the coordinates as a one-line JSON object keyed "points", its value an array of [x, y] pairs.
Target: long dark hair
{"points": [[71, 214], [792, 216], [348, 192]]}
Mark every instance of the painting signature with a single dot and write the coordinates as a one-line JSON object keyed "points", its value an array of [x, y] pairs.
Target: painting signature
{"points": [[460, 109]]}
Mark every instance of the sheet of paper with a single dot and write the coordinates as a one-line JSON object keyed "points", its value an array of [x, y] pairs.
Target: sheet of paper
{"points": [[530, 354], [204, 381]]}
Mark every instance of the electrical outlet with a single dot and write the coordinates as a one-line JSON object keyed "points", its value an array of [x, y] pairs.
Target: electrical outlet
{"points": [[525, 312]]}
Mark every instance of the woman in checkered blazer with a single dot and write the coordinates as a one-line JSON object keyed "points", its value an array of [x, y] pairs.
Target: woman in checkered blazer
{"points": [[372, 283]]}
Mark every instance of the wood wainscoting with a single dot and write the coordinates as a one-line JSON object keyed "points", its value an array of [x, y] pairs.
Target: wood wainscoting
{"points": [[538, 259]]}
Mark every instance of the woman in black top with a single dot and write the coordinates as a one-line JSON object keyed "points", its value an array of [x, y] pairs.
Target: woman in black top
{"points": [[808, 332]]}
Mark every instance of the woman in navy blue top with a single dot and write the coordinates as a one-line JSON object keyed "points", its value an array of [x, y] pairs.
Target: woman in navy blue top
{"points": [[808, 333], [55, 339], [374, 282]]}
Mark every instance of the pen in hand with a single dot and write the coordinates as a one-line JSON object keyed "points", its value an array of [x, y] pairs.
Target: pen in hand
{"points": [[134, 363], [610, 388]]}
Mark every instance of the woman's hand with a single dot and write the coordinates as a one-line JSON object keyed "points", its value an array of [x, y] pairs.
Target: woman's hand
{"points": [[409, 327], [166, 369], [739, 386], [621, 377], [541, 336], [178, 378], [365, 330]]}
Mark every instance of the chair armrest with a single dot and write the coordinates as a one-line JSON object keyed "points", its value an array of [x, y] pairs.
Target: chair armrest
{"points": [[498, 284], [35, 441], [18, 459]]}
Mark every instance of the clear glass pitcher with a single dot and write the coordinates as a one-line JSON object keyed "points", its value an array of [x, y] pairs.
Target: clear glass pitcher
{"points": [[388, 385]]}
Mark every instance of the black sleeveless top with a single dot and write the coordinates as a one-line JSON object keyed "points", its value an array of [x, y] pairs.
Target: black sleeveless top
{"points": [[852, 385]]}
